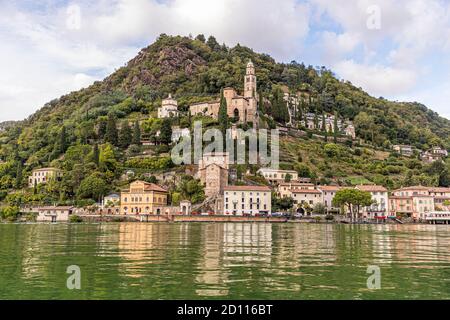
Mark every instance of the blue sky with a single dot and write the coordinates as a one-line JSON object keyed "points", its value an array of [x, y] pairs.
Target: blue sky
{"points": [[396, 49]]}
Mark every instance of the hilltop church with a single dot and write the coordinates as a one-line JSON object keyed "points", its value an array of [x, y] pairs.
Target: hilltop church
{"points": [[242, 108]]}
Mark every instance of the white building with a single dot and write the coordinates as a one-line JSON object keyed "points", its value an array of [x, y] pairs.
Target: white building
{"points": [[178, 133], [380, 209], [328, 193], [43, 176], [54, 214], [307, 198], [247, 200], [111, 200], [169, 108], [278, 176]]}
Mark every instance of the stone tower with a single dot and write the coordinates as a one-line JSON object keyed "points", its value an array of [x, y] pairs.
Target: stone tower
{"points": [[250, 81]]}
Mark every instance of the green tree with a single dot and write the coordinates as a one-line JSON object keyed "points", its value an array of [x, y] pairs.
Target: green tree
{"points": [[125, 136], [223, 114], [102, 128], [19, 175], [213, 44], [335, 133], [96, 155], [136, 134], [201, 38], [353, 199], [111, 130], [62, 140], [10, 212], [283, 205], [107, 158], [166, 132], [93, 187]]}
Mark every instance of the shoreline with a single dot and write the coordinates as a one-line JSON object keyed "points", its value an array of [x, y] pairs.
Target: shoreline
{"points": [[208, 219]]}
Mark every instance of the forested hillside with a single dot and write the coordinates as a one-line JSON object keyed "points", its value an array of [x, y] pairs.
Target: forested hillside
{"points": [[95, 134]]}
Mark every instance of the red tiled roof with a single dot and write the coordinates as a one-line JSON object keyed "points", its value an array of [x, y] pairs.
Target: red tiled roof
{"points": [[153, 187], [247, 188], [413, 188], [443, 190], [306, 191], [372, 188], [330, 188]]}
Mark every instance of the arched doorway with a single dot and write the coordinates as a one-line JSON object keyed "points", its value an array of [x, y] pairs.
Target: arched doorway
{"points": [[236, 114], [158, 211]]}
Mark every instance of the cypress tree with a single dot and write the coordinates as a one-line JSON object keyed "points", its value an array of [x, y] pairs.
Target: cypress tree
{"points": [[324, 123], [19, 176], [316, 121], [96, 155], [62, 141], [102, 129], [125, 136], [166, 132], [262, 107], [111, 130], [335, 127], [223, 114], [136, 134]]}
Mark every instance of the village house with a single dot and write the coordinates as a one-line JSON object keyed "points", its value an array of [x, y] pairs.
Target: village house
{"points": [[412, 202], [403, 150], [244, 109], [169, 108], [143, 198], [213, 171], [306, 198], [380, 196], [110, 204], [43, 175], [284, 189], [433, 155], [441, 198], [178, 133], [247, 200], [54, 214], [274, 176], [417, 201], [329, 192], [350, 130]]}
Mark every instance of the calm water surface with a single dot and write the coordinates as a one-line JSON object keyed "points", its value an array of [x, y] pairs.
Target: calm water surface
{"points": [[224, 261]]}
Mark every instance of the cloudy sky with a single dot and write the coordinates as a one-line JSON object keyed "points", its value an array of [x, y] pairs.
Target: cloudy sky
{"points": [[396, 49]]}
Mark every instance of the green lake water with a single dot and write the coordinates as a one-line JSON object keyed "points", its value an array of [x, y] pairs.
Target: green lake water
{"points": [[224, 261]]}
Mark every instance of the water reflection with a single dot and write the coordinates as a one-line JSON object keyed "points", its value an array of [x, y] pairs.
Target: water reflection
{"points": [[230, 260]]}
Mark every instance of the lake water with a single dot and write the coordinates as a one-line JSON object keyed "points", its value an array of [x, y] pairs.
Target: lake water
{"points": [[224, 261]]}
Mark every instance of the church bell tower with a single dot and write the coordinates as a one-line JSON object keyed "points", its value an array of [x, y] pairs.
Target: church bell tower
{"points": [[250, 81]]}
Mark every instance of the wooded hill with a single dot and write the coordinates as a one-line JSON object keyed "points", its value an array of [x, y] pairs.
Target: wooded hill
{"points": [[71, 132]]}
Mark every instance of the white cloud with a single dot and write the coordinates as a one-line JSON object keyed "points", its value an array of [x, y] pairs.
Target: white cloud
{"points": [[51, 53], [47, 53], [377, 79]]}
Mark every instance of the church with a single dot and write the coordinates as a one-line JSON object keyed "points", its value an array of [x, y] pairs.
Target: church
{"points": [[244, 109]]}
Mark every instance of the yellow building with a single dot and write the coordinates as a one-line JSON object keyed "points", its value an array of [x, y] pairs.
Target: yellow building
{"points": [[43, 175], [143, 198]]}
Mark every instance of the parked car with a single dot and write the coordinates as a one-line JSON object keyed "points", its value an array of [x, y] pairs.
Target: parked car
{"points": [[277, 214]]}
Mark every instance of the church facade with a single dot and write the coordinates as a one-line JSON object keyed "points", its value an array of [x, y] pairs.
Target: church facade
{"points": [[241, 108]]}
